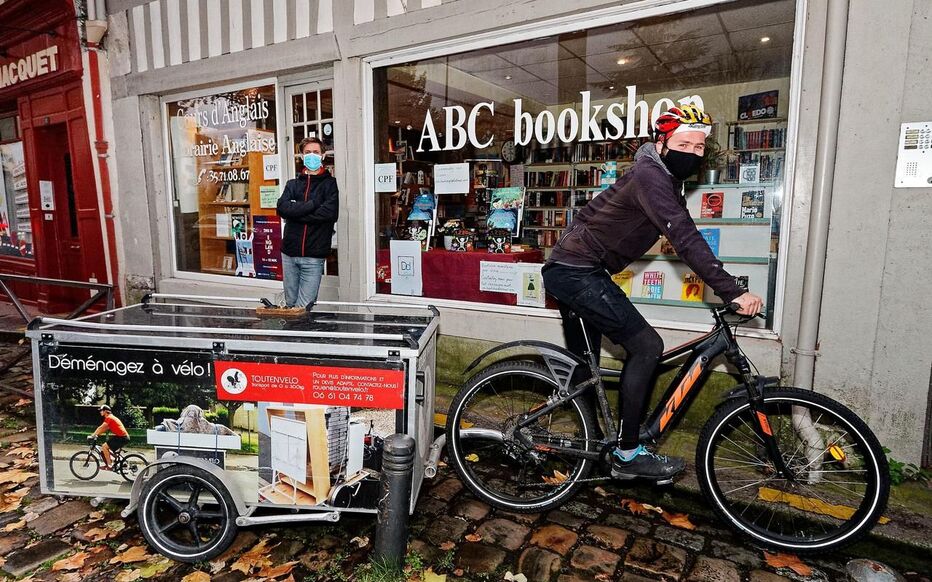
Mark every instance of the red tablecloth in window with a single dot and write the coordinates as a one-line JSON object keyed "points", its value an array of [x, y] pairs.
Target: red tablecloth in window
{"points": [[455, 275]]}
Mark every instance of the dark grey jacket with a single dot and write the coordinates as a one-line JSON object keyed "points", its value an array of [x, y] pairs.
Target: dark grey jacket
{"points": [[625, 220]]}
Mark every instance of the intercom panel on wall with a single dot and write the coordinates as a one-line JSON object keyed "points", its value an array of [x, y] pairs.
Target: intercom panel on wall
{"points": [[914, 156]]}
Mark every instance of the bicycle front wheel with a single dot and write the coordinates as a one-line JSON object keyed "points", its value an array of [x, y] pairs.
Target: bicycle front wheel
{"points": [[839, 476], [499, 467], [132, 465], [84, 465]]}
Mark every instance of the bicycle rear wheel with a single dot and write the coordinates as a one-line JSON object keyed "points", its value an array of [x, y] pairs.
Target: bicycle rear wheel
{"points": [[840, 478], [495, 465], [84, 465]]}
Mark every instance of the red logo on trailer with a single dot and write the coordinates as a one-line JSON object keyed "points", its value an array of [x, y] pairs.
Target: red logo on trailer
{"points": [[296, 383]]}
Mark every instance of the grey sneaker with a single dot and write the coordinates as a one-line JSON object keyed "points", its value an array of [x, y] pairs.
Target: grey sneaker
{"points": [[646, 465]]}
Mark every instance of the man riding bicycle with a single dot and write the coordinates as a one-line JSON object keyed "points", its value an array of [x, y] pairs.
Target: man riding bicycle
{"points": [[119, 437], [615, 229]]}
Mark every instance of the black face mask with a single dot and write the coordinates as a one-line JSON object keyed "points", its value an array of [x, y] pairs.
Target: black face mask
{"points": [[681, 164]]}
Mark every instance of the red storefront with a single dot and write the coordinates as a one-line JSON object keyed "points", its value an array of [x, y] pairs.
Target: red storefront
{"points": [[50, 207]]}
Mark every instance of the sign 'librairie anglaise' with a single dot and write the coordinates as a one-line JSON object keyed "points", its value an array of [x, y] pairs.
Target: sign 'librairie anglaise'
{"points": [[626, 119]]}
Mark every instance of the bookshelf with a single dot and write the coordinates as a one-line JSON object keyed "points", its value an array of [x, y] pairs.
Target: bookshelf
{"points": [[756, 142], [228, 192], [561, 180]]}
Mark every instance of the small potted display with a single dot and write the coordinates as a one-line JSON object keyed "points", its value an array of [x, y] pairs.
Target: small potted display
{"points": [[712, 161]]}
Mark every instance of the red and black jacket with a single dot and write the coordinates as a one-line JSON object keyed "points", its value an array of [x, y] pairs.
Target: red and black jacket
{"points": [[310, 205]]}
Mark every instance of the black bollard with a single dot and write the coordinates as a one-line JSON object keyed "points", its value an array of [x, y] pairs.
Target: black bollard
{"points": [[391, 530]]}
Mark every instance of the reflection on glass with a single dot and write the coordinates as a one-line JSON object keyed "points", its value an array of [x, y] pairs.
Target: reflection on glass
{"points": [[562, 117], [225, 175]]}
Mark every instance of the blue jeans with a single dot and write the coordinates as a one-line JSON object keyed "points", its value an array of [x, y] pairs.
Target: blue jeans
{"points": [[302, 279]]}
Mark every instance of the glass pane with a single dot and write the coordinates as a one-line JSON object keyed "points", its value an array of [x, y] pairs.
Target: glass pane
{"points": [[8, 128], [311, 106], [297, 108], [570, 112], [326, 104], [222, 201], [15, 226]]}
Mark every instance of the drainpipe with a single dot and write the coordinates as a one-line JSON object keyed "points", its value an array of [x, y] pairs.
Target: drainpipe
{"points": [[833, 65]]}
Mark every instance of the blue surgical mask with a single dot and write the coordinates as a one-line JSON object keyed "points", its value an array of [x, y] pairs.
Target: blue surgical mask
{"points": [[313, 162]]}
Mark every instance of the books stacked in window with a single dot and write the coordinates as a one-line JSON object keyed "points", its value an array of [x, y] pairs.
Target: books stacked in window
{"points": [[760, 139], [548, 218], [553, 155], [548, 179], [538, 199], [543, 238]]}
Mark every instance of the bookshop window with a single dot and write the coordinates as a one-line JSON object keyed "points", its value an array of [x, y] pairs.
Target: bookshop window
{"points": [[225, 169], [15, 226], [484, 158]]}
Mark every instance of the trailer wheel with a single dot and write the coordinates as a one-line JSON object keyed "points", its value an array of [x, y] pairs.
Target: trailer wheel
{"points": [[187, 514]]}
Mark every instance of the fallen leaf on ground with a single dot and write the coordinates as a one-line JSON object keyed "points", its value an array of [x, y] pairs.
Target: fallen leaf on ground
{"points": [[197, 576], [73, 562], [557, 478], [601, 492], [808, 504], [638, 508], [116, 525], [473, 538], [447, 546], [22, 452], [12, 499], [270, 572], [131, 555], [22, 402], [603, 577], [96, 534], [16, 476], [472, 458], [430, 576], [678, 519], [360, 541], [14, 526], [791, 561], [70, 577], [95, 515], [255, 558], [519, 577], [128, 576], [153, 569]]}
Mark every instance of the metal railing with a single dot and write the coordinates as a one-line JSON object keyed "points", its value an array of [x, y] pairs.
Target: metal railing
{"points": [[104, 291]]}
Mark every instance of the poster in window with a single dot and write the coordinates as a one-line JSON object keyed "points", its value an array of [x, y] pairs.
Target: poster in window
{"points": [[758, 106], [267, 247]]}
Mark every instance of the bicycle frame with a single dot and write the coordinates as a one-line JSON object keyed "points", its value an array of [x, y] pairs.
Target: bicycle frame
{"points": [[681, 392]]}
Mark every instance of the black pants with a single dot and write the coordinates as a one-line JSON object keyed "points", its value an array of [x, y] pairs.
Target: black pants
{"points": [[605, 310]]}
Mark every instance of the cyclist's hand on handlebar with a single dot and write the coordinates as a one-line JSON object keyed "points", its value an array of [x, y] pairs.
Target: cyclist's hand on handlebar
{"points": [[749, 304]]}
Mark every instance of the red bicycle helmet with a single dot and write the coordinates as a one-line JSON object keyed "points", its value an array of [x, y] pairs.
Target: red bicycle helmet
{"points": [[682, 118]]}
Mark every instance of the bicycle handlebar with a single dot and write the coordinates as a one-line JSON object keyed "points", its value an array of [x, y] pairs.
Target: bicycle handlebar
{"points": [[732, 309]]}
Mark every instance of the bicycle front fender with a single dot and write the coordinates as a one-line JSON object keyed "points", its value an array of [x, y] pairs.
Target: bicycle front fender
{"points": [[741, 391]]}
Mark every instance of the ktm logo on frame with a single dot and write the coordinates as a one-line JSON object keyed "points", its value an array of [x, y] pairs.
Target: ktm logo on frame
{"points": [[681, 391]]}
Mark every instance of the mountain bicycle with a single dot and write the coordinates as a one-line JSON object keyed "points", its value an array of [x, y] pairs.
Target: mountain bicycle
{"points": [[791, 468], [86, 464]]}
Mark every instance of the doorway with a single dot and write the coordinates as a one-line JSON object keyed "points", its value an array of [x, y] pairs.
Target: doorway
{"points": [[309, 113], [55, 177]]}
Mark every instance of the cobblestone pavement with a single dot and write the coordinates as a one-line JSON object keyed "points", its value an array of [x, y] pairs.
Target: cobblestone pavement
{"points": [[452, 534]]}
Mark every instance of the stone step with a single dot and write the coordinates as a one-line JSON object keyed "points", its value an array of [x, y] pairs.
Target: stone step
{"points": [[22, 561]]}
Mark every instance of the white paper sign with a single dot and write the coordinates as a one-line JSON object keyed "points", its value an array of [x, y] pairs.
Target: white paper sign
{"points": [[385, 178], [46, 195], [529, 284], [270, 170], [406, 268], [496, 277], [223, 225], [451, 178]]}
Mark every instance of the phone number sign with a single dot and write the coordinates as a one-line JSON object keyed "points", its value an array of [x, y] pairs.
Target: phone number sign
{"points": [[295, 383]]}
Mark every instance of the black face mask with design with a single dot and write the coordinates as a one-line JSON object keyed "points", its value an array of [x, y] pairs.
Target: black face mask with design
{"points": [[681, 164]]}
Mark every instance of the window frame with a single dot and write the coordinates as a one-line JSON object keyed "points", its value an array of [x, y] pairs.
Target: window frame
{"points": [[549, 27]]}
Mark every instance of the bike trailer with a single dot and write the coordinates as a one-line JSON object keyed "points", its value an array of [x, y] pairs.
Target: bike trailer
{"points": [[224, 399]]}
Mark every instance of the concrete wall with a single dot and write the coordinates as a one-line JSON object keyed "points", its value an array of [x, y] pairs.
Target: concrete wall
{"points": [[876, 351], [873, 354]]}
